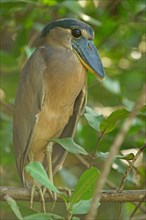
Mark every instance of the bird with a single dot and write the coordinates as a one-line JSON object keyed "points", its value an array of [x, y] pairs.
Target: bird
{"points": [[52, 93]]}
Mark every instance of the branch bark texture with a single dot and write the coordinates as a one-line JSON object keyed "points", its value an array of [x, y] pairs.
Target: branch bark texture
{"points": [[23, 194]]}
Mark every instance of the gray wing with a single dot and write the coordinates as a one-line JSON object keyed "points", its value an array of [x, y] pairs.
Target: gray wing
{"points": [[27, 105], [59, 153]]}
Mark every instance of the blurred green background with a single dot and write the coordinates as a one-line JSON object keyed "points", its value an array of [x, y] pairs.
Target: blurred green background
{"points": [[120, 38]]}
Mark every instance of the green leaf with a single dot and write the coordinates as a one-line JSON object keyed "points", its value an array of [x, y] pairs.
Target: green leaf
{"points": [[82, 207], [43, 216], [104, 155], [37, 171], [93, 118], [109, 123], [12, 203], [69, 145], [85, 186], [129, 156]]}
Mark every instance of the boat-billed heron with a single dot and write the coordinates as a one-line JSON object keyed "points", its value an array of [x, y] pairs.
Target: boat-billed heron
{"points": [[52, 92]]}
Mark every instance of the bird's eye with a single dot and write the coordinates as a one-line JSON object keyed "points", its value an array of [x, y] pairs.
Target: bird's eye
{"points": [[76, 33]]}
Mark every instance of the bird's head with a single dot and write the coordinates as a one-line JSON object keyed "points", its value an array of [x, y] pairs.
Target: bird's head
{"points": [[77, 36]]}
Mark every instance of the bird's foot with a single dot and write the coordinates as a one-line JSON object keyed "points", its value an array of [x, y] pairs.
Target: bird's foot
{"points": [[53, 195], [37, 187], [66, 190]]}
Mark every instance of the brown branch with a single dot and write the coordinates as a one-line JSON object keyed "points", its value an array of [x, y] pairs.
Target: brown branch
{"points": [[119, 139], [23, 194]]}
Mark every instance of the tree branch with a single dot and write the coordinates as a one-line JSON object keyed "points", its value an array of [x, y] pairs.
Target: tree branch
{"points": [[23, 194]]}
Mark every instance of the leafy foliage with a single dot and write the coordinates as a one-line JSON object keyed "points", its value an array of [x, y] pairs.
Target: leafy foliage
{"points": [[93, 118], [85, 187], [36, 170], [69, 145], [82, 207], [14, 207], [109, 123]]}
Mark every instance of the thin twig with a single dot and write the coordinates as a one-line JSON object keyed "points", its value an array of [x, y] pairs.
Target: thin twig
{"points": [[98, 142], [113, 152], [141, 208], [130, 167], [137, 207], [83, 160]]}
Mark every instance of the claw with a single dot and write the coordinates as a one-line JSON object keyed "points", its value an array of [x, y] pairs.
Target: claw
{"points": [[38, 188], [66, 190]]}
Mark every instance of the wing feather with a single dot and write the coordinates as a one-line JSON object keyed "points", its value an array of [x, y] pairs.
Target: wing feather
{"points": [[28, 103]]}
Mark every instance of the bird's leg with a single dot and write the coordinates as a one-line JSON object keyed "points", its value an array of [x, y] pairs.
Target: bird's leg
{"points": [[32, 195], [37, 187], [66, 190], [49, 163], [49, 160], [42, 199]]}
